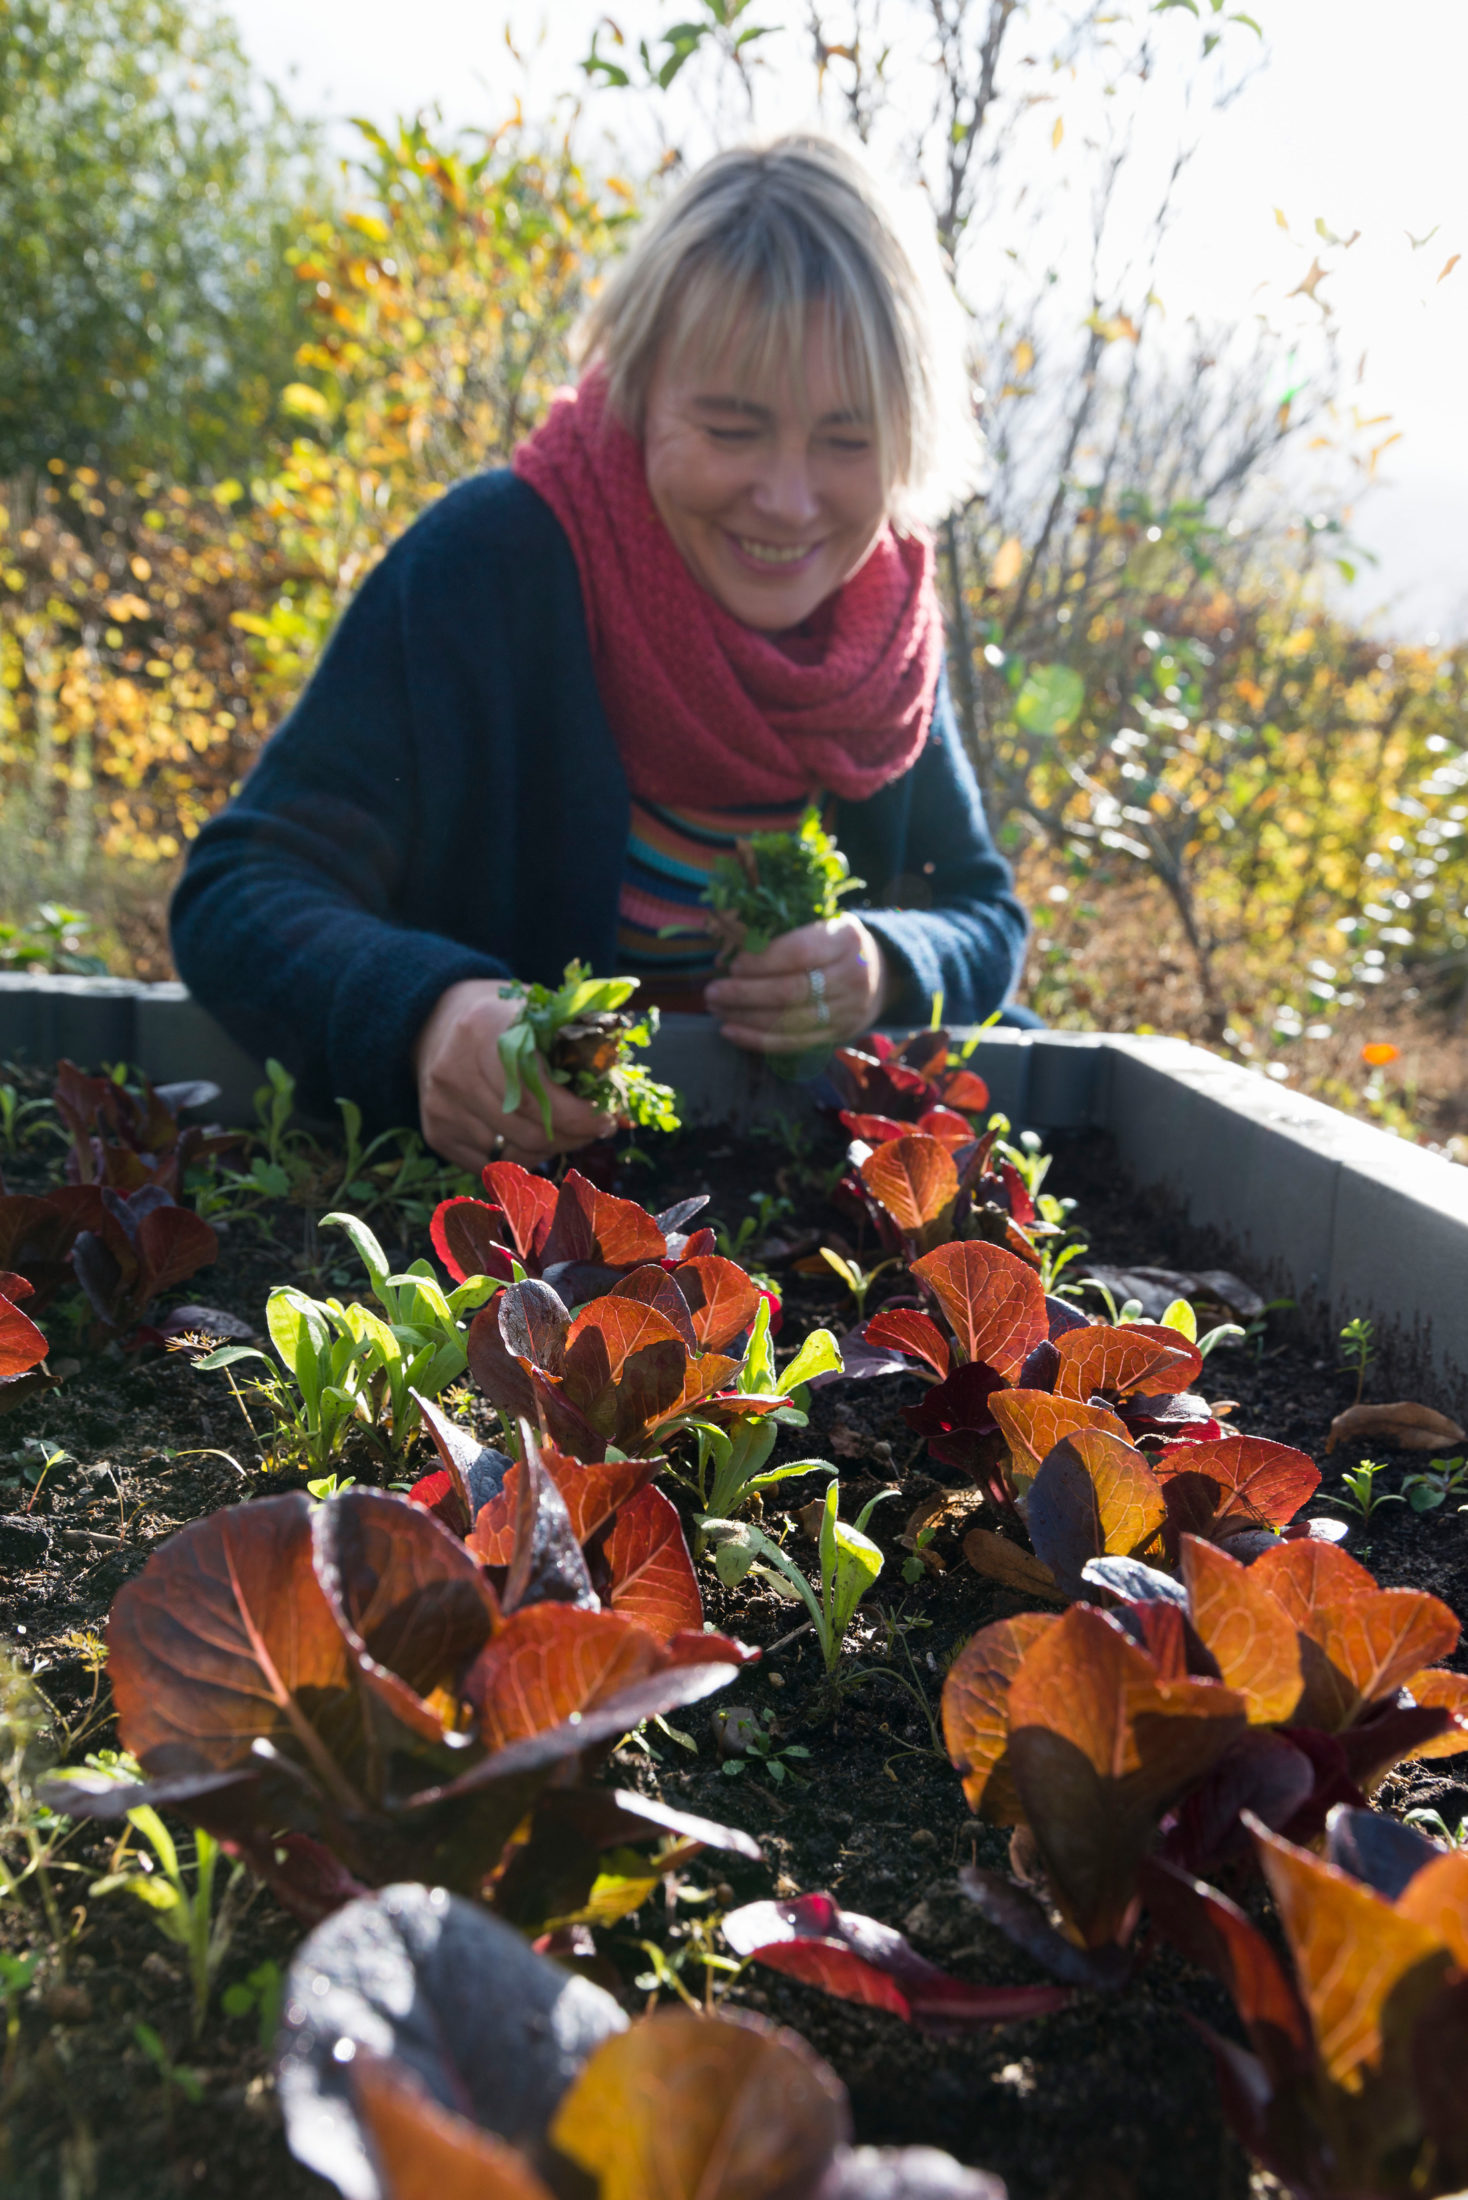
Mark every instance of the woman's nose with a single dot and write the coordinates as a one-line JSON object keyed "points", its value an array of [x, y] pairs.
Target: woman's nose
{"points": [[785, 490]]}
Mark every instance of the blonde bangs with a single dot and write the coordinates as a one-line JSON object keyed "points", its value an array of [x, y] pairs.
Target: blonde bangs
{"points": [[731, 271]]}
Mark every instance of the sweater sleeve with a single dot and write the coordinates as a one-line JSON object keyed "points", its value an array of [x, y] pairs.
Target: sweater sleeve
{"points": [[964, 937], [283, 923]]}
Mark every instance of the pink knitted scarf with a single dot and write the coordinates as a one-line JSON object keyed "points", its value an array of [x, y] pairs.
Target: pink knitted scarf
{"points": [[703, 709]]}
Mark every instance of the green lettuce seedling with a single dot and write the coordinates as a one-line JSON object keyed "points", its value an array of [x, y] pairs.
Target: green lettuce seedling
{"points": [[850, 1564], [775, 883], [579, 1034]]}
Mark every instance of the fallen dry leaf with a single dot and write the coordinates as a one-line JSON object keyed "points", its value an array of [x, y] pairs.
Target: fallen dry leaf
{"points": [[1405, 1425], [848, 1443], [999, 1560]]}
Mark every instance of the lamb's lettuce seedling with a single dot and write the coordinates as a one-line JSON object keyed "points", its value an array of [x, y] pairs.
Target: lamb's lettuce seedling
{"points": [[579, 1035], [775, 883], [850, 1564]]}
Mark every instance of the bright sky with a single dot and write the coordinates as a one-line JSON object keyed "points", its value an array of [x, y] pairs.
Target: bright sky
{"points": [[1356, 121]]}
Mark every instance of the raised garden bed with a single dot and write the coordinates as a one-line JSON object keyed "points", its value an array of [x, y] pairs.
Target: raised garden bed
{"points": [[1110, 2097]]}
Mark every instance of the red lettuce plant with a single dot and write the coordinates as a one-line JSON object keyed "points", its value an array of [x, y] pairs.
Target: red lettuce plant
{"points": [[630, 1368], [572, 1236], [1014, 1372], [1280, 1687], [888, 1088], [339, 1691], [627, 1538], [126, 1139], [23, 1347], [143, 1244], [38, 1231], [427, 2050], [919, 1189], [1352, 2085]]}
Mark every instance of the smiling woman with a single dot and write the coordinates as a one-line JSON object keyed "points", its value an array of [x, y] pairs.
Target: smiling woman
{"points": [[702, 599]]}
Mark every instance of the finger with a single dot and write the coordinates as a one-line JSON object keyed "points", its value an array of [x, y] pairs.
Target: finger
{"points": [[811, 947], [737, 994], [572, 1117]]}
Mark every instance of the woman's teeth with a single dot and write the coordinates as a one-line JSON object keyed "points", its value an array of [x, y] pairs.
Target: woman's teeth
{"points": [[769, 553]]}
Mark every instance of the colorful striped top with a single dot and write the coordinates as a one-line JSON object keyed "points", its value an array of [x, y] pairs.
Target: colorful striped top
{"points": [[670, 855]]}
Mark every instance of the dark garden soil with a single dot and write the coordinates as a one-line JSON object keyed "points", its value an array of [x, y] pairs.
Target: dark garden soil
{"points": [[1113, 2099]]}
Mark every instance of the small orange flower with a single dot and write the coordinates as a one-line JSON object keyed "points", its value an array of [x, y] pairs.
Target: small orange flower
{"points": [[1379, 1052]]}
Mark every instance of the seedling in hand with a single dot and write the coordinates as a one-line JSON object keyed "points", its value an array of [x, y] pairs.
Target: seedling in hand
{"points": [[579, 1035], [775, 883]]}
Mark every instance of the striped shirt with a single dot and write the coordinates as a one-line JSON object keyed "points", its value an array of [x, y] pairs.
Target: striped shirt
{"points": [[670, 857]]}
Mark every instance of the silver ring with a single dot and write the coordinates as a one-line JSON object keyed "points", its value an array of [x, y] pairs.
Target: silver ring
{"points": [[816, 979]]}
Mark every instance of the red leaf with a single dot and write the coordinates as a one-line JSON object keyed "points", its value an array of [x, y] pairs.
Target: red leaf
{"points": [[994, 1302], [904, 1329], [625, 1367], [593, 1226], [22, 1345], [414, 1607], [722, 1299], [653, 1581], [1258, 1481], [1138, 1358], [651, 1285], [1034, 1423], [914, 1179], [877, 1130], [964, 1088], [857, 1959], [550, 1661], [224, 1636], [466, 1237], [952, 1129], [591, 1494], [172, 1243], [528, 1202]]}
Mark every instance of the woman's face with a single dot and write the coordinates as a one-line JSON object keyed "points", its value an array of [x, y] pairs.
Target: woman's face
{"points": [[773, 494]]}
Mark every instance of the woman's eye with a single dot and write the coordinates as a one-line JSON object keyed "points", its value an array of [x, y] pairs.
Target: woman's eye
{"points": [[854, 444], [732, 435]]}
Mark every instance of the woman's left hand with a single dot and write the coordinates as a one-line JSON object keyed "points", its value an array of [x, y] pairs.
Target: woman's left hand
{"points": [[773, 1002]]}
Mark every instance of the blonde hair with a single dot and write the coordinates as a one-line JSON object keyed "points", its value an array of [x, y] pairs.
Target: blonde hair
{"points": [[739, 258]]}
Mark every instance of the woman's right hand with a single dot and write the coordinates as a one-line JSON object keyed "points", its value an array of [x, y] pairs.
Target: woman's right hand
{"points": [[461, 1086]]}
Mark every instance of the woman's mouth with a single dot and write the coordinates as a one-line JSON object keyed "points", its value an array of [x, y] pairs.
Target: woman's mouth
{"points": [[772, 557]]}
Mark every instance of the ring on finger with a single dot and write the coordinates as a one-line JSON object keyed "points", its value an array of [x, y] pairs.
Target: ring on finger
{"points": [[817, 982]]}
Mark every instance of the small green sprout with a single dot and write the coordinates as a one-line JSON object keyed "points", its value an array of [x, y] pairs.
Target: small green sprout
{"points": [[259, 1991], [1432, 1486], [1362, 1495], [184, 1913], [858, 1280], [1358, 1339], [850, 1564]]}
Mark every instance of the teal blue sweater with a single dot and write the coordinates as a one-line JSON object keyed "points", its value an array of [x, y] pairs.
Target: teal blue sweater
{"points": [[446, 801]]}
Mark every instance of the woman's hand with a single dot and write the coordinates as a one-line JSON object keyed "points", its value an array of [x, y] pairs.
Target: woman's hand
{"points": [[772, 1002], [461, 1086]]}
